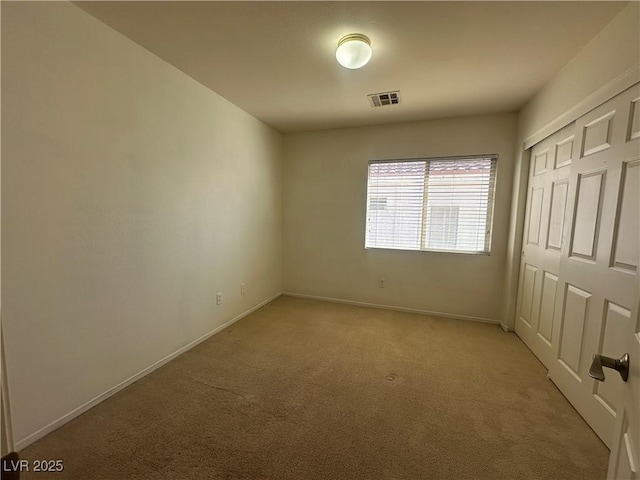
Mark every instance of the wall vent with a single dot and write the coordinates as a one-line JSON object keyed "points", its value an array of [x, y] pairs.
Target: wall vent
{"points": [[384, 98]]}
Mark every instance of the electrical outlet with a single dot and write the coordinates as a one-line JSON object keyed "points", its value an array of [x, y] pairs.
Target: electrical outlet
{"points": [[243, 288], [218, 298], [381, 282]]}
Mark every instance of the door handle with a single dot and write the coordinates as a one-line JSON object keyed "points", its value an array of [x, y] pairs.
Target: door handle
{"points": [[599, 361]]}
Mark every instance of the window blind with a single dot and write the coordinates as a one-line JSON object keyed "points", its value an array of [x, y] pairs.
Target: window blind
{"points": [[442, 204]]}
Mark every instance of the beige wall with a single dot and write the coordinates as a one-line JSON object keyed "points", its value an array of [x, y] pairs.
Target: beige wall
{"points": [[614, 51], [131, 194], [325, 181], [606, 66], [4, 430]]}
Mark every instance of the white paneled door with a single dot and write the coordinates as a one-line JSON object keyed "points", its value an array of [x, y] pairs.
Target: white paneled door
{"points": [[579, 288], [625, 446], [543, 242]]}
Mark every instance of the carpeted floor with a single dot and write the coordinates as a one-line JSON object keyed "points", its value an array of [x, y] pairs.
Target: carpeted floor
{"points": [[304, 390]]}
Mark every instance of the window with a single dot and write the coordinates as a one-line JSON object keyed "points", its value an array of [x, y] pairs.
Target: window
{"points": [[377, 203], [446, 218], [436, 204]]}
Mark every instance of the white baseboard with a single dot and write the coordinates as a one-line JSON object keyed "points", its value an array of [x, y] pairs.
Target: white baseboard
{"points": [[392, 307], [6, 407], [28, 440], [504, 326]]}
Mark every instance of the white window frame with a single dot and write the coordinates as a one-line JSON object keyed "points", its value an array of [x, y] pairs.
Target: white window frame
{"points": [[423, 233]]}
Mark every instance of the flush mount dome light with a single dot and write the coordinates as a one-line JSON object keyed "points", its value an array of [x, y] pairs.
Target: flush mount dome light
{"points": [[354, 51]]}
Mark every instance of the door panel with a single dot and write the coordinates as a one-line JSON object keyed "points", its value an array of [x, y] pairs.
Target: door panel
{"points": [[579, 288], [576, 306], [597, 134], [559, 191], [528, 293], [634, 120], [625, 452], [600, 175], [564, 151], [535, 217], [627, 230], [625, 463], [547, 307], [545, 235], [540, 162], [614, 329], [587, 217]]}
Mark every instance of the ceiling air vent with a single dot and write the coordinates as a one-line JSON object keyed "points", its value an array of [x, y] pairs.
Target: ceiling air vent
{"points": [[384, 98]]}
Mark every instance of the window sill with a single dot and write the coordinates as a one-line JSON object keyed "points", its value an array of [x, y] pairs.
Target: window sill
{"points": [[455, 252]]}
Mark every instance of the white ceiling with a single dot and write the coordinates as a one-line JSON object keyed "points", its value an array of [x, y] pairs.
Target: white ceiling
{"points": [[276, 60]]}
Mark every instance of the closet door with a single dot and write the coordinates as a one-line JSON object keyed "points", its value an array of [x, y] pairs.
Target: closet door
{"points": [[579, 276], [599, 268], [544, 237]]}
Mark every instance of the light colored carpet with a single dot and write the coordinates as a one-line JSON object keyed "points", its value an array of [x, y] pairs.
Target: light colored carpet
{"points": [[303, 389]]}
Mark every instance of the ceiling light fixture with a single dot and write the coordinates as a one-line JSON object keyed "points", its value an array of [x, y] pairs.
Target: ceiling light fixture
{"points": [[354, 51]]}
